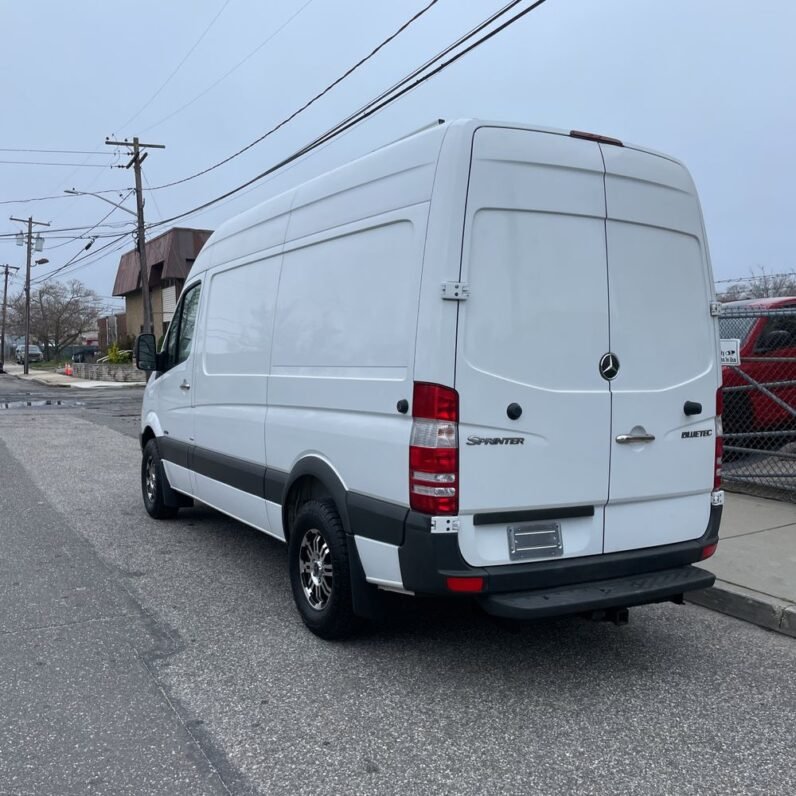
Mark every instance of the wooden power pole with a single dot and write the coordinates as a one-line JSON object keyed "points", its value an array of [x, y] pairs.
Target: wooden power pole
{"points": [[136, 161], [6, 269], [30, 222]]}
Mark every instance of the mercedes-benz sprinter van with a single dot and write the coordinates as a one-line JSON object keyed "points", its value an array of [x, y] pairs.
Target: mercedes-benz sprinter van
{"points": [[479, 362]]}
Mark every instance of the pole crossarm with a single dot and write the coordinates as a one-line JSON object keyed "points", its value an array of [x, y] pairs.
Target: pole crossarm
{"points": [[131, 143]]}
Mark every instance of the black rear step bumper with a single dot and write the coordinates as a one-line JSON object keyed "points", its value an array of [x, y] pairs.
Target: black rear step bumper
{"points": [[428, 559], [652, 587]]}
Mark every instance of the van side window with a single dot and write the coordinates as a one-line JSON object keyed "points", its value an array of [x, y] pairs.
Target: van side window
{"points": [[177, 344], [170, 342], [190, 307]]}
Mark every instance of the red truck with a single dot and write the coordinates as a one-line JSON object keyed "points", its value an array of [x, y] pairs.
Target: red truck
{"points": [[768, 355]]}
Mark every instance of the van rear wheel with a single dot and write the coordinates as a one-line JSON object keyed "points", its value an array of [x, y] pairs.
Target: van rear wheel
{"points": [[319, 570], [152, 476]]}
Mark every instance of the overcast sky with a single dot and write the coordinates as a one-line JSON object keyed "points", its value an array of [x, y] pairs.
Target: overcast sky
{"points": [[708, 81]]}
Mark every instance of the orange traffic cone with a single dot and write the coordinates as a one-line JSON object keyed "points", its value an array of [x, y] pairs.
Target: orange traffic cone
{"points": [[68, 369]]}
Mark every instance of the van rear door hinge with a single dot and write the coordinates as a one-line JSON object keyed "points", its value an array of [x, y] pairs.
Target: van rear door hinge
{"points": [[455, 291], [715, 309]]}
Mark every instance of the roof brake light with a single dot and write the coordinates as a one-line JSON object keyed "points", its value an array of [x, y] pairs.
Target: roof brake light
{"points": [[600, 139]]}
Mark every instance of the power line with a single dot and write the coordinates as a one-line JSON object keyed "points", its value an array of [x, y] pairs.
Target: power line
{"points": [[96, 257], [9, 235], [149, 188], [176, 69], [234, 68], [265, 181], [309, 102], [56, 151], [317, 147], [49, 163], [93, 227], [375, 106], [80, 257]]}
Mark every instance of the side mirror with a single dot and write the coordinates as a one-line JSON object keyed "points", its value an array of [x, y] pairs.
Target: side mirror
{"points": [[146, 356], [772, 341]]}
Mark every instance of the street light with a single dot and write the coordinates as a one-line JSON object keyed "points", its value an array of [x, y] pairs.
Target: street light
{"points": [[42, 261], [73, 192]]}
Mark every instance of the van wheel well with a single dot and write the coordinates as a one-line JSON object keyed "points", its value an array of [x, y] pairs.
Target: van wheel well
{"points": [[303, 490], [146, 436]]}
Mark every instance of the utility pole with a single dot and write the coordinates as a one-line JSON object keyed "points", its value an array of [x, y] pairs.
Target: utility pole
{"points": [[30, 222], [6, 269], [136, 161]]}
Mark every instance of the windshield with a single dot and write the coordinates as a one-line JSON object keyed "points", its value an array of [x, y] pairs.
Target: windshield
{"points": [[735, 328]]}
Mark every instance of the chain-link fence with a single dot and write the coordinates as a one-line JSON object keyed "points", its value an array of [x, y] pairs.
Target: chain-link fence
{"points": [[760, 399]]}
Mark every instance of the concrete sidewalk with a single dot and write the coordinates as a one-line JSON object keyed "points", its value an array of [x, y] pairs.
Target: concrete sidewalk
{"points": [[52, 379], [755, 564]]}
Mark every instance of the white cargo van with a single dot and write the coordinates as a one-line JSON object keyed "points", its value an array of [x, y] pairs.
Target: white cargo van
{"points": [[481, 361]]}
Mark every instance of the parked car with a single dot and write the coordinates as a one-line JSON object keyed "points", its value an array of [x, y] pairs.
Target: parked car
{"points": [[437, 370], [85, 354], [34, 354], [768, 356]]}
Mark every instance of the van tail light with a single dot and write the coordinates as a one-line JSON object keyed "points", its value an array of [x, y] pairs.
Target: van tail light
{"points": [[719, 436], [708, 551], [465, 585], [434, 450]]}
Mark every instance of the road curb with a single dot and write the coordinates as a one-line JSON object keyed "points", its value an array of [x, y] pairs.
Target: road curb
{"points": [[77, 384], [751, 606]]}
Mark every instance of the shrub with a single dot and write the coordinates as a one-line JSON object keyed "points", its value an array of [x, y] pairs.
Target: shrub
{"points": [[117, 357]]}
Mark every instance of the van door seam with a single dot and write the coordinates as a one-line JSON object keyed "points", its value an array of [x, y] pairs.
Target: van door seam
{"points": [[610, 344], [461, 253]]}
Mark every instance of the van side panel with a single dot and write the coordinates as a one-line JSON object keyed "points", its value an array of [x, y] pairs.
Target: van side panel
{"points": [[343, 351], [230, 387]]}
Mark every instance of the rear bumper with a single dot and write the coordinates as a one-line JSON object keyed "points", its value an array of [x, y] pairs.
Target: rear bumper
{"points": [[652, 587], [428, 559]]}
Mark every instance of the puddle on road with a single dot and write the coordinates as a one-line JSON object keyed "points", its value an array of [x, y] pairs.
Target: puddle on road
{"points": [[37, 404]]}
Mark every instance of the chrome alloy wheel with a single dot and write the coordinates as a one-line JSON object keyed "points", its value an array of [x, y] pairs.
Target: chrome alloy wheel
{"points": [[151, 484], [315, 569]]}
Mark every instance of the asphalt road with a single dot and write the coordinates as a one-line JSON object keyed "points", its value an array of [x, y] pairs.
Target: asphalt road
{"points": [[149, 657]]}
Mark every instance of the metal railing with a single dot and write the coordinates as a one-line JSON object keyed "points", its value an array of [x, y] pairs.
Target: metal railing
{"points": [[760, 401]]}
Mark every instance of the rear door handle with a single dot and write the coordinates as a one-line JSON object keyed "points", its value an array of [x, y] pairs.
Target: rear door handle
{"points": [[626, 439], [185, 385]]}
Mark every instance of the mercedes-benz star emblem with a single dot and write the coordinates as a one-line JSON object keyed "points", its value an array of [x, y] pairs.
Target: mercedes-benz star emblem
{"points": [[609, 366]]}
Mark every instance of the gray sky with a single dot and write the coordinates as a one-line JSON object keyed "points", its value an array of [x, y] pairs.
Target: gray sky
{"points": [[708, 81]]}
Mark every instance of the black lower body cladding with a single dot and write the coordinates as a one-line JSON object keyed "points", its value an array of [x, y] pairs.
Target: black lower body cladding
{"points": [[428, 559]]}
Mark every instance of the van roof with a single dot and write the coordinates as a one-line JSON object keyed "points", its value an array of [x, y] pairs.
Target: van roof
{"points": [[426, 142]]}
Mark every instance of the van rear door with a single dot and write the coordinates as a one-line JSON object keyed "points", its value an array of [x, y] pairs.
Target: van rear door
{"points": [[664, 340], [530, 336]]}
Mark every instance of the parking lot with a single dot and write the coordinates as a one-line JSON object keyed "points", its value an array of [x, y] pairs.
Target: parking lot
{"points": [[145, 657]]}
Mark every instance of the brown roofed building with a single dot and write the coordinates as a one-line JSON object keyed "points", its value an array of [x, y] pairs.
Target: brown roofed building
{"points": [[169, 257]]}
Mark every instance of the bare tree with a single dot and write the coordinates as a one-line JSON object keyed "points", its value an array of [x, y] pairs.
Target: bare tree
{"points": [[59, 314], [761, 285]]}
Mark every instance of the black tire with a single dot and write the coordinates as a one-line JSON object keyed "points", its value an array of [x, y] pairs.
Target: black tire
{"points": [[319, 571], [152, 476]]}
